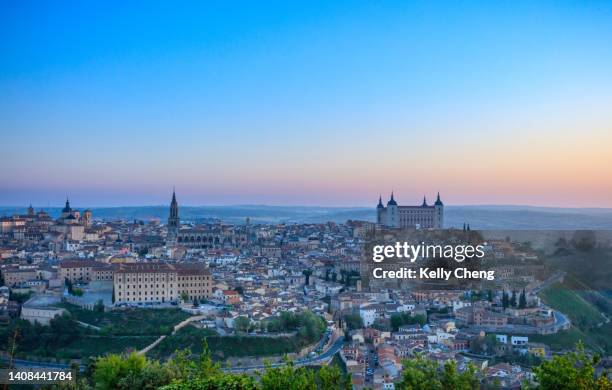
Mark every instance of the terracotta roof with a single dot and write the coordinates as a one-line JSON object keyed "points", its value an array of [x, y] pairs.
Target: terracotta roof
{"points": [[181, 269], [82, 264]]}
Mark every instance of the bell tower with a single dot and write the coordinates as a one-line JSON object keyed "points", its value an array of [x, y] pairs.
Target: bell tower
{"points": [[173, 220]]}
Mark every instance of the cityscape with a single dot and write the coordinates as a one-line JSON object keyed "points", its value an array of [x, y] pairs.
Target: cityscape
{"points": [[379, 195], [262, 293]]}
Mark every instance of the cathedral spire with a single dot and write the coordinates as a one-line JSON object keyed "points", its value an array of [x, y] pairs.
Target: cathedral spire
{"points": [[173, 219], [67, 208], [424, 202]]}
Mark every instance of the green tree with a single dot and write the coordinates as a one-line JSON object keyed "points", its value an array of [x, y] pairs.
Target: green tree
{"points": [[288, 377], [572, 371], [99, 306], [452, 379], [423, 374], [505, 300], [513, 299], [184, 296], [331, 378], [353, 321], [522, 300], [401, 319], [68, 285], [113, 371], [420, 374], [241, 323], [307, 273]]}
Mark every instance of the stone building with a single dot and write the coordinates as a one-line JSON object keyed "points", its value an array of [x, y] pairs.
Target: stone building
{"points": [[161, 282], [85, 271], [423, 216]]}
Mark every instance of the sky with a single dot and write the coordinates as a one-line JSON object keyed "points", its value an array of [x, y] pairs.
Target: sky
{"points": [[306, 103]]}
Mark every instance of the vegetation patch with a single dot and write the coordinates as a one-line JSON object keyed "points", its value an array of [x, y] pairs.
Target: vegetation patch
{"points": [[64, 339], [131, 321], [582, 313], [307, 328]]}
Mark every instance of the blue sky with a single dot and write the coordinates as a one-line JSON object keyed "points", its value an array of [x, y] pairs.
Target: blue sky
{"points": [[324, 103]]}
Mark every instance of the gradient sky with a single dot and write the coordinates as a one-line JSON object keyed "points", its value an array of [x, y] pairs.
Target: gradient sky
{"points": [[307, 103]]}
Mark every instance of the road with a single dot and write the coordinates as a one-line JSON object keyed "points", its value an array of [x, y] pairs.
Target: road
{"points": [[328, 354], [549, 281], [20, 363]]}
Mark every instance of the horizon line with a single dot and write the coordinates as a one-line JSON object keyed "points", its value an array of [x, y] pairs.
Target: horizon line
{"points": [[309, 206]]}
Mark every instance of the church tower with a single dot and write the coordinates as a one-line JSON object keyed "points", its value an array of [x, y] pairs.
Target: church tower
{"points": [[173, 220]]}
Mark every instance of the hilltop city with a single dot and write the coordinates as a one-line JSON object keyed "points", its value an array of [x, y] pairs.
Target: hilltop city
{"points": [[261, 292]]}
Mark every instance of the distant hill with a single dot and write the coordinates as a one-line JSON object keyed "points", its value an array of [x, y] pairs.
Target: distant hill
{"points": [[479, 217]]}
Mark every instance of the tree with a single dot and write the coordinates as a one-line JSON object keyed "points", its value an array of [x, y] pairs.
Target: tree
{"points": [[353, 321], [113, 297], [184, 296], [451, 379], [505, 300], [195, 302], [307, 273], [99, 306], [241, 323], [423, 374], [68, 285], [183, 372], [522, 300], [331, 378], [490, 296], [400, 319], [513, 299], [420, 374], [112, 371], [570, 371], [288, 377]]}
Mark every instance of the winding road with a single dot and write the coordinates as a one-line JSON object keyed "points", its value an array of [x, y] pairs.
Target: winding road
{"points": [[321, 358]]}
